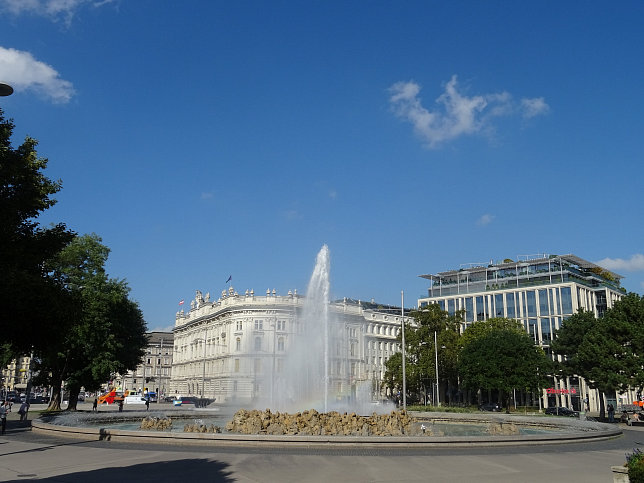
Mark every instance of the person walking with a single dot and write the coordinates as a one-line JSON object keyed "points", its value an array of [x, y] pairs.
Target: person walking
{"points": [[95, 405], [147, 403], [611, 413], [3, 416], [24, 409], [121, 406]]}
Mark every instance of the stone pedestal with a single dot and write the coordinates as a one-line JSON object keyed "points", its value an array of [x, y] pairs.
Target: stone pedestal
{"points": [[620, 474]]}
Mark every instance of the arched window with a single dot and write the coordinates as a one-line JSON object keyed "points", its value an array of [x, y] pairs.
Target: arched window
{"points": [[353, 349]]}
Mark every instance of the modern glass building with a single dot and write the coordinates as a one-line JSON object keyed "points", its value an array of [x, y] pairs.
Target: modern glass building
{"points": [[540, 291]]}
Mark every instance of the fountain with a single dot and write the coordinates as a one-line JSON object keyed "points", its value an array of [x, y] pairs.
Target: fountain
{"points": [[305, 386]]}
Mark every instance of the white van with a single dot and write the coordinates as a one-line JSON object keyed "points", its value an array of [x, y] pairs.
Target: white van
{"points": [[134, 399]]}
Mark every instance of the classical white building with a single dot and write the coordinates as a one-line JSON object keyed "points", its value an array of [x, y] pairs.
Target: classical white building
{"points": [[236, 347], [540, 291]]}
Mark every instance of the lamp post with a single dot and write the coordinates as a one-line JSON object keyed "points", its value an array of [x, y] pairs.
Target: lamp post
{"points": [[404, 375], [438, 401]]}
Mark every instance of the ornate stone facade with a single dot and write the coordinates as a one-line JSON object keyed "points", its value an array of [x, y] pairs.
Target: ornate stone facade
{"points": [[234, 348]]}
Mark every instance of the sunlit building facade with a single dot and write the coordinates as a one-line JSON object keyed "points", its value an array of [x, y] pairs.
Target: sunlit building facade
{"points": [[235, 348], [540, 291]]}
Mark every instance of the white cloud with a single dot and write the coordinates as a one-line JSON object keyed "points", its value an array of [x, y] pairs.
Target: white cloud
{"points": [[456, 113], [633, 264], [485, 219], [54, 9], [533, 107], [23, 72]]}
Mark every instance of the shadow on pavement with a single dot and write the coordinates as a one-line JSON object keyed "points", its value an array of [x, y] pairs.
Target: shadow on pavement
{"points": [[179, 470]]}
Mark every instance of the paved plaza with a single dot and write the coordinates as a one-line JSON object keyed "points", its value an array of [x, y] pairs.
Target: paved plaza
{"points": [[25, 455]]}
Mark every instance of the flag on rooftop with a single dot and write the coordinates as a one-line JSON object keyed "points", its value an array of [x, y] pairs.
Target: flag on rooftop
{"points": [[229, 279], [181, 302]]}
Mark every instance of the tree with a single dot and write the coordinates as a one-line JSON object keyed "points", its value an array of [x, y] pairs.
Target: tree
{"points": [[499, 354], [33, 302], [420, 363], [607, 351], [611, 351], [108, 334]]}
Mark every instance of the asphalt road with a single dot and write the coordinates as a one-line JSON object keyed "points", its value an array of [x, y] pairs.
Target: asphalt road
{"points": [[25, 455]]}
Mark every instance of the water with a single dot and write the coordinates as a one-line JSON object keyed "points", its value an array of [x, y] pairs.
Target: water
{"points": [[304, 381]]}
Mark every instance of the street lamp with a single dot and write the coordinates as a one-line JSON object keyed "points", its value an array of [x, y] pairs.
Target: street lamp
{"points": [[438, 401], [5, 90], [404, 375]]}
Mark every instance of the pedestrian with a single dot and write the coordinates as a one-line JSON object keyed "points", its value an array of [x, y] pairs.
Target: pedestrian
{"points": [[587, 404], [24, 409], [3, 415], [95, 405], [147, 403], [121, 406], [611, 413]]}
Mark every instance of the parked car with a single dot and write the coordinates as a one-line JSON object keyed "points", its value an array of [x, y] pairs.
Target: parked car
{"points": [[561, 411], [491, 406]]}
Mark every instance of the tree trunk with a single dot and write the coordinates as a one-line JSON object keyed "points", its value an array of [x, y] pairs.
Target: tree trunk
{"points": [[602, 414], [73, 398], [54, 404]]}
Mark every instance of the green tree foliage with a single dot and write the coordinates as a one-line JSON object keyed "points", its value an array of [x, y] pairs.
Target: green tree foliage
{"points": [[107, 336], [499, 354], [34, 303], [607, 352], [568, 340], [420, 363]]}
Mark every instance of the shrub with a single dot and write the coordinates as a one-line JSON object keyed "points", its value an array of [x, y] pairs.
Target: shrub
{"points": [[635, 464]]}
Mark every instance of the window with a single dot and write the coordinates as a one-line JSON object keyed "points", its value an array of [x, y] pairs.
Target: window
{"points": [[280, 365], [239, 325], [480, 308], [280, 344], [238, 344], [498, 304], [566, 300], [353, 349], [531, 304], [469, 309], [543, 303], [258, 343], [509, 302], [236, 367], [545, 330], [450, 307], [259, 324], [158, 361], [257, 365], [281, 325]]}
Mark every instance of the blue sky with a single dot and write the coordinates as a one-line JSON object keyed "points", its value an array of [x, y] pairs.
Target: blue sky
{"points": [[207, 139]]}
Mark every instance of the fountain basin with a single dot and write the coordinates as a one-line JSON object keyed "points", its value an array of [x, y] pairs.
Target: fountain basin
{"points": [[556, 431]]}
